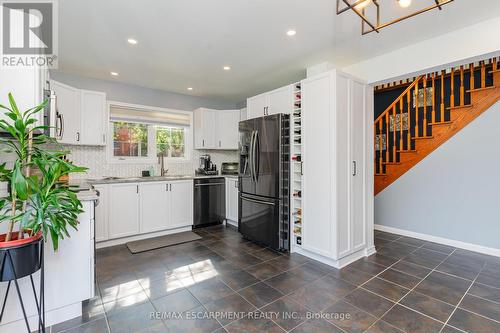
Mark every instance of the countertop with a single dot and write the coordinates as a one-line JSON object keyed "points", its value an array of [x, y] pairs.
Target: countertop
{"points": [[119, 180]]}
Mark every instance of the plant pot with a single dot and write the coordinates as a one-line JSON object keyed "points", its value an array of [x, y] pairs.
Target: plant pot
{"points": [[21, 256]]}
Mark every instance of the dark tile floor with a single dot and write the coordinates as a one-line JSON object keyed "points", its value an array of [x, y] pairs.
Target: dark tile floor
{"points": [[223, 283]]}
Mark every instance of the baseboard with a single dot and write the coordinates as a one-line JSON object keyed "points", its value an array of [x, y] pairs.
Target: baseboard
{"points": [[233, 223], [441, 240], [119, 241], [340, 263]]}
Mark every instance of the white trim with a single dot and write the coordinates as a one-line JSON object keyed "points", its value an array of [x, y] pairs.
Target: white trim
{"points": [[123, 240], [152, 159], [441, 240], [340, 263], [231, 222]]}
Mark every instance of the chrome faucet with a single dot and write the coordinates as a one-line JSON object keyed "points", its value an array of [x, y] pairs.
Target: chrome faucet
{"points": [[161, 161]]}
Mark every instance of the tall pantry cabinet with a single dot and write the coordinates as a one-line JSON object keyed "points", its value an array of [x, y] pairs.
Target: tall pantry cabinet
{"points": [[336, 109]]}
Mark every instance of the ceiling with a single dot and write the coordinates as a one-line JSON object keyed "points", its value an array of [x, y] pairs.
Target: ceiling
{"points": [[185, 43]]}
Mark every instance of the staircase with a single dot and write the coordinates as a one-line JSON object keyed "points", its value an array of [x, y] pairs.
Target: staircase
{"points": [[432, 109]]}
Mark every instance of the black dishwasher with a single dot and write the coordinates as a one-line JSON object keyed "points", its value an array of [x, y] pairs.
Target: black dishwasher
{"points": [[209, 201]]}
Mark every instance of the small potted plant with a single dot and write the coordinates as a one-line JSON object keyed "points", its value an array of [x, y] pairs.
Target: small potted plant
{"points": [[39, 206]]}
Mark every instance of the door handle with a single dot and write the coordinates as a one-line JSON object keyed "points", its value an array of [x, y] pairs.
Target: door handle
{"points": [[166, 187], [258, 201], [208, 184], [257, 156], [170, 187], [203, 143], [301, 168], [219, 144], [78, 136], [354, 168]]}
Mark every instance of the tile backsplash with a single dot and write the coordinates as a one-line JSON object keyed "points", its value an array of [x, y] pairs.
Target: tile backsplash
{"points": [[94, 158]]}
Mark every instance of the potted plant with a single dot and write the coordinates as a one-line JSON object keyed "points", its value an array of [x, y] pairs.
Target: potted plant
{"points": [[39, 205]]}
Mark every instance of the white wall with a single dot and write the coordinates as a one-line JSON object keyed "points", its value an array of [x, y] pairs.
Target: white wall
{"points": [[436, 53], [454, 192]]}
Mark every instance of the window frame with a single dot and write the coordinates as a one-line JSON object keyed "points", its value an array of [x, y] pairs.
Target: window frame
{"points": [[152, 157]]}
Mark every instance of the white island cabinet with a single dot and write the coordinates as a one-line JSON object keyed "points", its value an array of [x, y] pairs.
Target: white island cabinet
{"points": [[133, 211], [232, 201], [69, 279]]}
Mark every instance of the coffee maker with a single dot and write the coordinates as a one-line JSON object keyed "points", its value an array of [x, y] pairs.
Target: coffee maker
{"points": [[206, 166]]}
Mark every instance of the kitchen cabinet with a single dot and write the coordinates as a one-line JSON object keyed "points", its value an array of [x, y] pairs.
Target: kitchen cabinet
{"points": [[84, 115], [227, 129], [26, 86], [93, 117], [181, 203], [139, 208], [68, 106], [276, 101], [101, 214], [216, 129], [123, 210], [155, 206], [232, 200], [335, 107]]}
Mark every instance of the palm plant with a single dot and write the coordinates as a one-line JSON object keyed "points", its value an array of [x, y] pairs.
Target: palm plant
{"points": [[38, 202]]}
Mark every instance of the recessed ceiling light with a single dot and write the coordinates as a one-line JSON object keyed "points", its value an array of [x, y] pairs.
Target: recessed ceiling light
{"points": [[132, 41], [404, 3], [291, 32], [227, 68], [114, 73], [190, 88]]}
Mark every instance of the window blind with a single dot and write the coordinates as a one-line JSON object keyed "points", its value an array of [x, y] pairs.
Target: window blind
{"points": [[135, 115]]}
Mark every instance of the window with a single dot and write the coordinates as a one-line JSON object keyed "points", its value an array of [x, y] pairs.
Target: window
{"points": [[170, 141], [141, 134], [130, 139]]}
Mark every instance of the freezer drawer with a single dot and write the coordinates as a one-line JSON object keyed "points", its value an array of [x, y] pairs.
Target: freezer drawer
{"points": [[259, 220]]}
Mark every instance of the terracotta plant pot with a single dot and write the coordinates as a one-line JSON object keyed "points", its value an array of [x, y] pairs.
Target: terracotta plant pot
{"points": [[21, 256]]}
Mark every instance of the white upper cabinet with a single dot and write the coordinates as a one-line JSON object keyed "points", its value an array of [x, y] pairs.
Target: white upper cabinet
{"points": [[68, 106], [93, 118], [26, 86], [227, 129], [84, 115], [276, 101], [216, 129], [280, 100], [256, 106]]}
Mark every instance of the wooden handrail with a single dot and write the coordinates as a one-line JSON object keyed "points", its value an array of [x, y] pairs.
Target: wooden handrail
{"points": [[389, 108]]}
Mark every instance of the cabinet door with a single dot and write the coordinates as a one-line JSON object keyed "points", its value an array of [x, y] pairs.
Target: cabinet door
{"points": [[124, 210], [204, 128], [26, 87], [358, 225], [181, 201], [93, 117], [256, 106], [101, 214], [227, 129], [154, 207], [68, 106], [317, 197], [232, 199], [281, 100]]}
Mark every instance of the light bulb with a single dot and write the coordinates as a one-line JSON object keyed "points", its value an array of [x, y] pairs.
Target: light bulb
{"points": [[404, 3], [363, 4]]}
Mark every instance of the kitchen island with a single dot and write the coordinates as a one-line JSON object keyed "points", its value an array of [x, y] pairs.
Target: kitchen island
{"points": [[69, 276]]}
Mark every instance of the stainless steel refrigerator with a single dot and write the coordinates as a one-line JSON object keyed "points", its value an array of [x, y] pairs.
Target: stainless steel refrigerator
{"points": [[264, 180]]}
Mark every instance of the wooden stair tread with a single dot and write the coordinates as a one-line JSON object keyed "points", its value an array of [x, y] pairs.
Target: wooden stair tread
{"points": [[448, 122], [495, 71], [421, 137], [406, 151], [381, 175], [460, 107], [391, 163], [481, 89]]}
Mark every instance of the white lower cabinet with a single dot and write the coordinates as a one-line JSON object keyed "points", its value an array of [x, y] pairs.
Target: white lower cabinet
{"points": [[123, 210], [139, 208], [155, 206], [232, 199]]}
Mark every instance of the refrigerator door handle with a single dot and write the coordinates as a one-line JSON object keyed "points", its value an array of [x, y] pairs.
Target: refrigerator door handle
{"points": [[258, 201], [257, 156], [250, 156]]}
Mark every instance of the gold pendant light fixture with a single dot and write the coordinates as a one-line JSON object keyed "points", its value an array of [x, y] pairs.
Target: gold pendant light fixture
{"points": [[360, 7]]}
